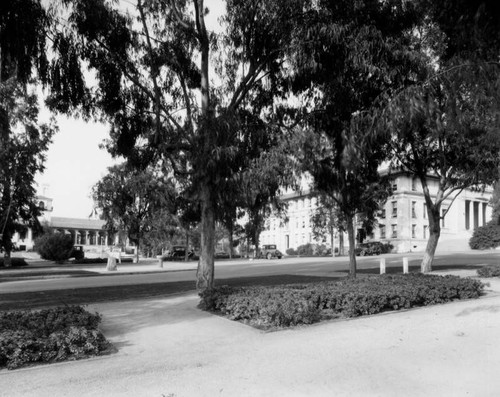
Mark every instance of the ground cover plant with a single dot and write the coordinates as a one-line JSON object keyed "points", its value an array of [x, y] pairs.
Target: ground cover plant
{"points": [[489, 271], [290, 305], [44, 336], [15, 262]]}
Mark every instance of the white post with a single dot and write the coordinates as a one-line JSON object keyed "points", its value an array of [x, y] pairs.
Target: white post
{"points": [[111, 266], [405, 265], [382, 265]]}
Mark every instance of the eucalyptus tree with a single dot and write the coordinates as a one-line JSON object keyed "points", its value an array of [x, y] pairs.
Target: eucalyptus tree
{"points": [[129, 200], [345, 54], [153, 66], [445, 128], [23, 140]]}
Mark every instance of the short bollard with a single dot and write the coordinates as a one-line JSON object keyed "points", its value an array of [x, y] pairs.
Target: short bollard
{"points": [[111, 265], [382, 265], [405, 265], [160, 260]]}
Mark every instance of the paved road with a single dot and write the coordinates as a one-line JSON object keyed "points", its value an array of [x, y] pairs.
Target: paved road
{"points": [[319, 267]]}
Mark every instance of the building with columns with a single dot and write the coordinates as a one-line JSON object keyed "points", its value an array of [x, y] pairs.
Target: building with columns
{"points": [[403, 220], [86, 231]]}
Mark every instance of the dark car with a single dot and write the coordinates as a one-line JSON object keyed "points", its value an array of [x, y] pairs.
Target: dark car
{"points": [[77, 252], [179, 251], [270, 251], [371, 248]]}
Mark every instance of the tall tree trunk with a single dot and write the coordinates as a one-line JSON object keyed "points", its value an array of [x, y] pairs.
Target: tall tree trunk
{"points": [[352, 246], [205, 272], [332, 237], [136, 255], [230, 231], [341, 243], [434, 233], [5, 180]]}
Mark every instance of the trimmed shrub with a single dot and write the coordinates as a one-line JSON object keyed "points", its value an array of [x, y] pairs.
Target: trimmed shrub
{"points": [[55, 247], [65, 333], [306, 250], [489, 271], [309, 249], [15, 262], [386, 248], [485, 237], [289, 305]]}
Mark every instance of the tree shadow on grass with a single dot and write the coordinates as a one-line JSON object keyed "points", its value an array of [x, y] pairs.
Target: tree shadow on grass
{"points": [[416, 269], [84, 296]]}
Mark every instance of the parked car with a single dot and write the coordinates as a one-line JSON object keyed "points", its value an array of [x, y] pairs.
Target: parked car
{"points": [[371, 248], [77, 252], [179, 251], [270, 251]]}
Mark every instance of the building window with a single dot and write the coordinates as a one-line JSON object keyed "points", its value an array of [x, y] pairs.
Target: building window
{"points": [[382, 231], [303, 222], [394, 231], [413, 231], [425, 230], [413, 209], [382, 213], [425, 211], [394, 209], [394, 186], [443, 214], [414, 184], [41, 205]]}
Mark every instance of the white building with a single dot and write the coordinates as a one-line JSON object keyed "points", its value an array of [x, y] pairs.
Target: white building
{"points": [[403, 221]]}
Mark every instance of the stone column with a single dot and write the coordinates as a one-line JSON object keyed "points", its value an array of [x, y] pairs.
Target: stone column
{"points": [[480, 221]]}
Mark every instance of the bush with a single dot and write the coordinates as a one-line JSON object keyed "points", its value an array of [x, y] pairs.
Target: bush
{"points": [[489, 271], [485, 237], [59, 334], [306, 250], [15, 262], [310, 250], [55, 247], [289, 305], [386, 248]]}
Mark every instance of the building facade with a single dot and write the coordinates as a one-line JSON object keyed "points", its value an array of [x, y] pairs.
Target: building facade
{"points": [[84, 231], [403, 221]]}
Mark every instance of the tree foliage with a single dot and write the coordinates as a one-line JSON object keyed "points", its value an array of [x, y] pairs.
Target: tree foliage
{"points": [[345, 55], [131, 200], [153, 67], [23, 140], [445, 127]]}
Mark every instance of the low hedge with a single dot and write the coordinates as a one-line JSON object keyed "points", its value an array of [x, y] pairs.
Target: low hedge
{"points": [[289, 305], [60, 334], [489, 271], [14, 262]]}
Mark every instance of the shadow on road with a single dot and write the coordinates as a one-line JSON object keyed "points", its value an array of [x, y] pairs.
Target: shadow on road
{"points": [[82, 296]]}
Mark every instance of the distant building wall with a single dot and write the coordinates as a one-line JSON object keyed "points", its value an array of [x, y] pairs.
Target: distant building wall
{"points": [[403, 221]]}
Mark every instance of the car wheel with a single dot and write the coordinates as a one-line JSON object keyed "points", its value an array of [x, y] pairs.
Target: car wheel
{"points": [[269, 255], [279, 257]]}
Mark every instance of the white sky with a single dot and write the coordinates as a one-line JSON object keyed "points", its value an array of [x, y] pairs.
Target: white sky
{"points": [[74, 164], [74, 161]]}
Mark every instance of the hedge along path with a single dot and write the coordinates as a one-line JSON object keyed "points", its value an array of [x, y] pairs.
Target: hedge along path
{"points": [[290, 305], [46, 336]]}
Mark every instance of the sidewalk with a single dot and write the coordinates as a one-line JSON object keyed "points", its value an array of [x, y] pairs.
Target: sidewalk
{"points": [[167, 347]]}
